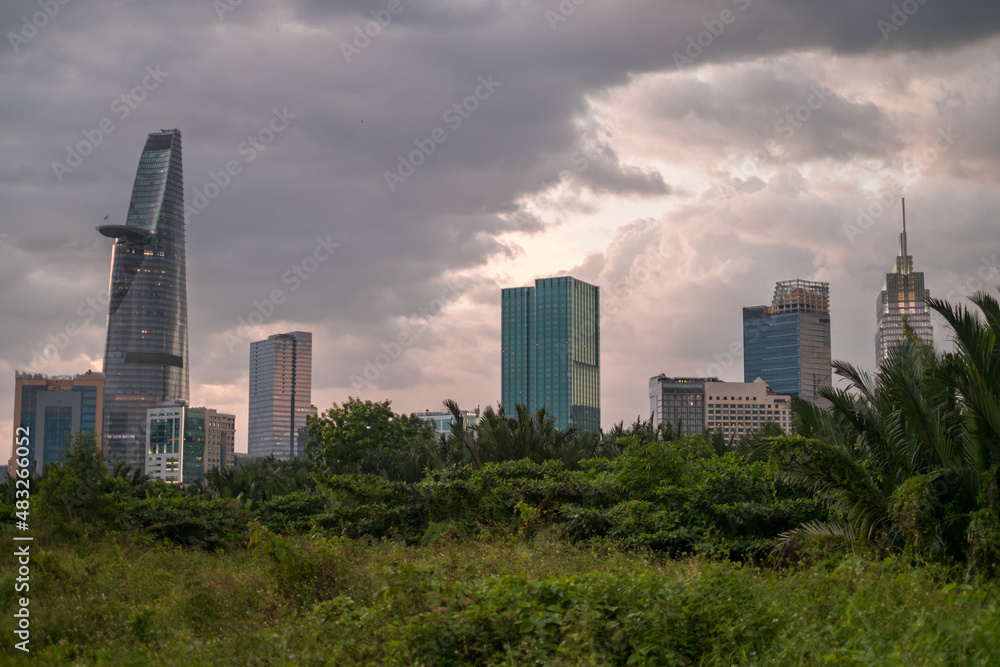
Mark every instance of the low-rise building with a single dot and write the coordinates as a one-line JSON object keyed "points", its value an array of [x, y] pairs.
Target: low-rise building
{"points": [[183, 443], [50, 410], [442, 421], [738, 408], [700, 404], [679, 400]]}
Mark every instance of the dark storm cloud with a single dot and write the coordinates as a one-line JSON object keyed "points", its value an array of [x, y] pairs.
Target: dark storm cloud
{"points": [[788, 116], [352, 116]]}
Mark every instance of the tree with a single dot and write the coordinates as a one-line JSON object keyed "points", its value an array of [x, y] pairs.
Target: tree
{"points": [[363, 436], [79, 494], [910, 457], [501, 437]]}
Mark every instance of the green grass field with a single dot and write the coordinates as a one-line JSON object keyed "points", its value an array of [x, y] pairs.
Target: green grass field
{"points": [[491, 601]]}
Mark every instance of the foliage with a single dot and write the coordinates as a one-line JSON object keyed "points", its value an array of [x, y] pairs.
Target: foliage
{"points": [[260, 481], [306, 571], [315, 601], [677, 497], [79, 496], [366, 437], [908, 458], [291, 513], [188, 521]]}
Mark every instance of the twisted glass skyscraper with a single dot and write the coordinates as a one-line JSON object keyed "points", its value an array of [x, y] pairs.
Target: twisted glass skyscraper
{"points": [[146, 354], [550, 356]]}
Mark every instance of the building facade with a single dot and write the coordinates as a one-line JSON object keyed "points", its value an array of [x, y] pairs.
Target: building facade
{"points": [[738, 408], [700, 404], [442, 421], [220, 439], [183, 443], [280, 394], [146, 353], [787, 344], [52, 410], [901, 304], [680, 401], [550, 351]]}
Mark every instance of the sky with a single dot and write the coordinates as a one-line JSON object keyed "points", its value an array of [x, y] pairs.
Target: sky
{"points": [[378, 171]]}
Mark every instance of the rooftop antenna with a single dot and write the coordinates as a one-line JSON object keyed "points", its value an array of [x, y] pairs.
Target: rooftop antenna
{"points": [[902, 243]]}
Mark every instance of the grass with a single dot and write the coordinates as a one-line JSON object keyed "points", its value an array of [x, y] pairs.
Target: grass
{"points": [[312, 601]]}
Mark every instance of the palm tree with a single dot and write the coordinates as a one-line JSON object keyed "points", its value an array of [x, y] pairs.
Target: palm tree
{"points": [[974, 371], [910, 456], [501, 437], [458, 446], [886, 460]]}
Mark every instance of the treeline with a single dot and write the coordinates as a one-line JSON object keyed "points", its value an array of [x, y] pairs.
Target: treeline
{"points": [[676, 496], [907, 461]]}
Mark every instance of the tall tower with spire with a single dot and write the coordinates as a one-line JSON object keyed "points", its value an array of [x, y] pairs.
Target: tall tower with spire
{"points": [[901, 304], [146, 354]]}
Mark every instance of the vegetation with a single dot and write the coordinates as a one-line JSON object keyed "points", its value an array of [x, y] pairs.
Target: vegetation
{"points": [[909, 459], [870, 536], [123, 600]]}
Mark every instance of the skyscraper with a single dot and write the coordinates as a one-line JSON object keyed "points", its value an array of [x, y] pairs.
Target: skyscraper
{"points": [[280, 393], [146, 354], [52, 410], [787, 344], [902, 303], [550, 351]]}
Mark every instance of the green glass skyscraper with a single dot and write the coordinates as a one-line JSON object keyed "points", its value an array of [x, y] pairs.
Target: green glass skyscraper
{"points": [[550, 351]]}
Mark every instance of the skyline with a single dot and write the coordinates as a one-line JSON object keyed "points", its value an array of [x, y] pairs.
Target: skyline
{"points": [[781, 151]]}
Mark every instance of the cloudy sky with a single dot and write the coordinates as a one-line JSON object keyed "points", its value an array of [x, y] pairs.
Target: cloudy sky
{"points": [[682, 155]]}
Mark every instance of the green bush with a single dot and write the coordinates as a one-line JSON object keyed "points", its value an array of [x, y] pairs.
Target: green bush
{"points": [[189, 521], [290, 513], [307, 571]]}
